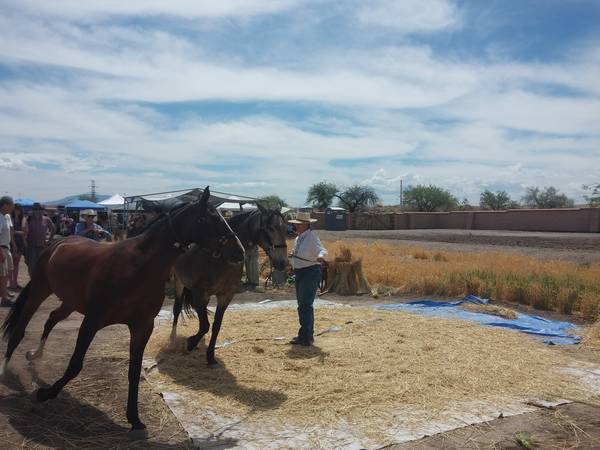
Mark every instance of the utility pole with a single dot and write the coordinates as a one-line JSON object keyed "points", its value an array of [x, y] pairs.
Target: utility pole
{"points": [[93, 190], [401, 194]]}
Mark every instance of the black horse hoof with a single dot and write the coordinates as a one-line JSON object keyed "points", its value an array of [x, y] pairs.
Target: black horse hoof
{"points": [[190, 346], [41, 395], [138, 434], [213, 365]]}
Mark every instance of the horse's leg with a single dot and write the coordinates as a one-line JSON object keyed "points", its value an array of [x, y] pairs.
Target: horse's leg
{"points": [[29, 300], [200, 304], [60, 313], [140, 333], [177, 306], [222, 304], [87, 331]]}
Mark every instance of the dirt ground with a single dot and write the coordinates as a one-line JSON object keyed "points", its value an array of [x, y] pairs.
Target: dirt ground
{"points": [[579, 247], [90, 412]]}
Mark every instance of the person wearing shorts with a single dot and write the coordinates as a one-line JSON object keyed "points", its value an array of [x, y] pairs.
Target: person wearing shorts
{"points": [[6, 261]]}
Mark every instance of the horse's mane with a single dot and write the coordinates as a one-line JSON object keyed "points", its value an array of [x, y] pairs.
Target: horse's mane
{"points": [[162, 217]]}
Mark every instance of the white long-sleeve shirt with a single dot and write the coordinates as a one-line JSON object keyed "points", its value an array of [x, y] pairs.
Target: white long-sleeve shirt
{"points": [[307, 248]]}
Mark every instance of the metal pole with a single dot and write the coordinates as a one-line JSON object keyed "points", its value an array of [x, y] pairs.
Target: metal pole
{"points": [[401, 194]]}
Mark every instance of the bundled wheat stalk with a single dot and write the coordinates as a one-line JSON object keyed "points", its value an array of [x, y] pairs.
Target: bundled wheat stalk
{"points": [[345, 276]]}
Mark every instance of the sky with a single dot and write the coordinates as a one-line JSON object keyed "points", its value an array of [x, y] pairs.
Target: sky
{"points": [[256, 97]]}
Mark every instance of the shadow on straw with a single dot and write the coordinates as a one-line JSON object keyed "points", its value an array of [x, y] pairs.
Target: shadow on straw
{"points": [[64, 422], [191, 370]]}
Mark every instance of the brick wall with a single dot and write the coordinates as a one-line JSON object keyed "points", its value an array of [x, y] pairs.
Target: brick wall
{"points": [[582, 220]]}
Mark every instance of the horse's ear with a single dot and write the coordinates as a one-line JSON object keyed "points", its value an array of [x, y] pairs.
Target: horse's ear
{"points": [[261, 208], [205, 196]]}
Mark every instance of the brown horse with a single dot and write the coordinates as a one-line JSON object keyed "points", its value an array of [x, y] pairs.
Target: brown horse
{"points": [[198, 275], [122, 282]]}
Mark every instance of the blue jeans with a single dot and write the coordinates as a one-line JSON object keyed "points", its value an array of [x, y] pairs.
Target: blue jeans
{"points": [[307, 283]]}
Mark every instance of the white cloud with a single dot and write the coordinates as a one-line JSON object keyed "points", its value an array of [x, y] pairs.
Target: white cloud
{"points": [[431, 118], [410, 15], [187, 9]]}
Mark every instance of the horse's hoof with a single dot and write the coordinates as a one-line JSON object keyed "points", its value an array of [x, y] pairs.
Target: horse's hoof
{"points": [[31, 355], [213, 365], [138, 434], [39, 396]]}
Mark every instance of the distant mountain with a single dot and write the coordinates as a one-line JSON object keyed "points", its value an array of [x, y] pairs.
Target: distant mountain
{"points": [[70, 198]]}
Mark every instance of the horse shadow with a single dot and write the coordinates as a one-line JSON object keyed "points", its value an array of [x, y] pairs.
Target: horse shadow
{"points": [[218, 381], [67, 422]]}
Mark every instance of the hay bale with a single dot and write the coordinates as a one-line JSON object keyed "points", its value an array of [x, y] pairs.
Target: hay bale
{"points": [[345, 276]]}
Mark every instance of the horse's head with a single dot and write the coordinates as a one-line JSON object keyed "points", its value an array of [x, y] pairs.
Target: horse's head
{"points": [[206, 227], [270, 236]]}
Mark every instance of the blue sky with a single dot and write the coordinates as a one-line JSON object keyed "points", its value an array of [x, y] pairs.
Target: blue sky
{"points": [[264, 96]]}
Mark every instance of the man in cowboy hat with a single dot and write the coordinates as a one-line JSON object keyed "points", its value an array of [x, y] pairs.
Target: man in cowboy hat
{"points": [[306, 258], [38, 230], [89, 228]]}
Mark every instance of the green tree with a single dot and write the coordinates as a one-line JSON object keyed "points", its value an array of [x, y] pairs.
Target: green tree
{"points": [[429, 198], [593, 198], [495, 200], [465, 205], [357, 197], [321, 195], [272, 201], [546, 198]]}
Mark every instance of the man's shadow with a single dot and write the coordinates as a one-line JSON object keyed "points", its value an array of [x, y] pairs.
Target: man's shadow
{"points": [[218, 381], [66, 422], [311, 352]]}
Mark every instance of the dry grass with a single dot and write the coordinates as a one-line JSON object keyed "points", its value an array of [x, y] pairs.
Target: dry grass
{"points": [[378, 369], [591, 338], [552, 285]]}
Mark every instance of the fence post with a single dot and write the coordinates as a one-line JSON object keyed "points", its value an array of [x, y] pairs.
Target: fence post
{"points": [[594, 220]]}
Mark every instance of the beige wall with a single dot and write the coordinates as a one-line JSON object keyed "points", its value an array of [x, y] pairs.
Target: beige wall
{"points": [[583, 220]]}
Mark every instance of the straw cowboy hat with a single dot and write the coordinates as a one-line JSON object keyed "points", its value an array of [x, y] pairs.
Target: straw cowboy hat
{"points": [[302, 217], [88, 212]]}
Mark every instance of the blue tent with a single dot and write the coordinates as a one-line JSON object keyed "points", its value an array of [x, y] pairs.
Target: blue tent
{"points": [[83, 204], [25, 202]]}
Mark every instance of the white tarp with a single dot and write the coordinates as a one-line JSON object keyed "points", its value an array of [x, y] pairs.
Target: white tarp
{"points": [[234, 206], [115, 200]]}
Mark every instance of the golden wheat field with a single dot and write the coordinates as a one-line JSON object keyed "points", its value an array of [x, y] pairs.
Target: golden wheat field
{"points": [[550, 285]]}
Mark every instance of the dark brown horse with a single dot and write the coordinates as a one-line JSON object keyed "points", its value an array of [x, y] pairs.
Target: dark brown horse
{"points": [[198, 274], [122, 283]]}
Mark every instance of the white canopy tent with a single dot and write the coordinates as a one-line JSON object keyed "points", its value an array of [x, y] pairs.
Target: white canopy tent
{"points": [[115, 202]]}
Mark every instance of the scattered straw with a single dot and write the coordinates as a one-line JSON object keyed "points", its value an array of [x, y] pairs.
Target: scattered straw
{"points": [[491, 309], [368, 368]]}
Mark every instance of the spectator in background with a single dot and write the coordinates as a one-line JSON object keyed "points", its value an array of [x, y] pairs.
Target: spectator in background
{"points": [[89, 228], [6, 261], [18, 245], [38, 229], [136, 225]]}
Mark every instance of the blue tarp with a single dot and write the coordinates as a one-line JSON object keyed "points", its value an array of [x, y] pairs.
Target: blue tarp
{"points": [[84, 204], [550, 331], [24, 202]]}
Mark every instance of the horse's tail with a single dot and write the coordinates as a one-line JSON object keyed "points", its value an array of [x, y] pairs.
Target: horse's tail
{"points": [[188, 302], [13, 317]]}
